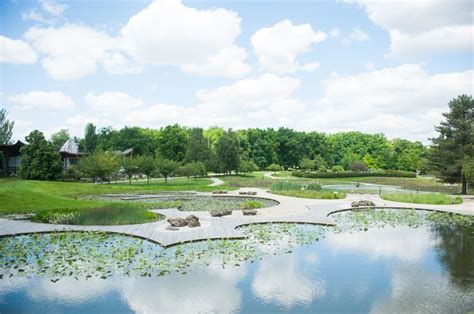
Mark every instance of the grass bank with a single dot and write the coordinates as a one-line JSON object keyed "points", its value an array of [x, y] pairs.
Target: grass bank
{"points": [[424, 198], [304, 190]]}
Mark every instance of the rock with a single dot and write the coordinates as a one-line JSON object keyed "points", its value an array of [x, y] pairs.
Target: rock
{"points": [[192, 221], [220, 212], [177, 222], [171, 228], [363, 203], [248, 193], [219, 192], [249, 212]]}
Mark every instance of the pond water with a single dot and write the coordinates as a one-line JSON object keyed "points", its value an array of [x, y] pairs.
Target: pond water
{"points": [[402, 262], [369, 188]]}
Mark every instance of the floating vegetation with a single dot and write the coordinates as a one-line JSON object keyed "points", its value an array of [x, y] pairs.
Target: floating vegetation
{"points": [[362, 219], [222, 203], [101, 255]]}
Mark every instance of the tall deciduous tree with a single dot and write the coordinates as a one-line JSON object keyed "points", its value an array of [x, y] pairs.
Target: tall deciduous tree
{"points": [[39, 159], [228, 152], [6, 127], [455, 142], [173, 142], [198, 149], [59, 138], [130, 166]]}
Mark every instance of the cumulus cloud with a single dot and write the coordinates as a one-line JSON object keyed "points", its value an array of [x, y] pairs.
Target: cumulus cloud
{"points": [[15, 51], [403, 101], [420, 27], [42, 100], [278, 47], [78, 58], [197, 41], [52, 7]]}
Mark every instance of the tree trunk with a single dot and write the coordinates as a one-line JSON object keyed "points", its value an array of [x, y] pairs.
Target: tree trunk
{"points": [[129, 180], [464, 184], [166, 179], [148, 180]]}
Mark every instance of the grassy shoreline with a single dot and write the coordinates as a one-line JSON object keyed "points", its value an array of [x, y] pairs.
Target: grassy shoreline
{"points": [[424, 198]]}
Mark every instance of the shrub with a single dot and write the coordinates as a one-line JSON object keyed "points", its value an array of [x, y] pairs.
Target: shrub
{"points": [[337, 169], [251, 204], [285, 186], [351, 174], [313, 187]]}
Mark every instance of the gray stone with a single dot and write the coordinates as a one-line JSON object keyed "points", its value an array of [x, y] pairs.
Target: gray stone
{"points": [[363, 203], [171, 228], [220, 212], [192, 221], [249, 212], [177, 222], [219, 192]]}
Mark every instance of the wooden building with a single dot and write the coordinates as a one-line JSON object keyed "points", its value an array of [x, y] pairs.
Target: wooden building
{"points": [[70, 153], [11, 158]]}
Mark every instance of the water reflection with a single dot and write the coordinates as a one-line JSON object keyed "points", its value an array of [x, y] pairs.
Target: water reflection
{"points": [[394, 269], [287, 280]]}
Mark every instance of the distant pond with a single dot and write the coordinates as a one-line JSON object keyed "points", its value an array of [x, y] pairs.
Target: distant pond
{"points": [[374, 261]]}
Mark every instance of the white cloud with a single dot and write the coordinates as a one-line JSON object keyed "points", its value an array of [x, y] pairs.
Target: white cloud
{"points": [[358, 35], [71, 51], [198, 41], [403, 101], [15, 51], [113, 103], [42, 100], [420, 27], [116, 63], [335, 32], [277, 47], [34, 15], [52, 7]]}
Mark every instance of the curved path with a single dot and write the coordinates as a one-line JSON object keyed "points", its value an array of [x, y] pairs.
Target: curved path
{"points": [[216, 182], [290, 209]]}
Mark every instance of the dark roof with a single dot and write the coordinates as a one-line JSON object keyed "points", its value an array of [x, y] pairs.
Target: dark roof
{"points": [[12, 149]]}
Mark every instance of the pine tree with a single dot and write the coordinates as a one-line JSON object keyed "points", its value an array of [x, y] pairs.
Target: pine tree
{"points": [[455, 142]]}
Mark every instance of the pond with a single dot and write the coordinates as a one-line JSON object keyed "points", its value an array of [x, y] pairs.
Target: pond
{"points": [[380, 261]]}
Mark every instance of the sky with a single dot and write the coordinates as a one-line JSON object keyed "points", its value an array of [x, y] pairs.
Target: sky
{"points": [[372, 66]]}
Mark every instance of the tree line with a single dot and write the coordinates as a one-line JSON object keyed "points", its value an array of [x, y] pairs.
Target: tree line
{"points": [[196, 151]]}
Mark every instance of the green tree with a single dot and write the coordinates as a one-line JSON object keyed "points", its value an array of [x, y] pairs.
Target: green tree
{"points": [[274, 168], [166, 167], [198, 149], [130, 166], [228, 152], [455, 142], [307, 164], [173, 142], [59, 138], [213, 134], [100, 165], [358, 166], [6, 127], [147, 165], [193, 169], [247, 166], [90, 141], [39, 159]]}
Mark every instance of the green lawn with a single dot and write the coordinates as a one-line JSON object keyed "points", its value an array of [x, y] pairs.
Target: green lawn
{"points": [[57, 197], [424, 198]]}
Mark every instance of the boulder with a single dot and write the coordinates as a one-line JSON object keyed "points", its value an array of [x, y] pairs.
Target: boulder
{"points": [[177, 222], [220, 212], [249, 212], [171, 228], [363, 203], [219, 192], [192, 221], [248, 193]]}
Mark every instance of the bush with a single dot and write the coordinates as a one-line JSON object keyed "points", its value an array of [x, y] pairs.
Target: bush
{"points": [[252, 204], [285, 186], [313, 187], [337, 169], [351, 174]]}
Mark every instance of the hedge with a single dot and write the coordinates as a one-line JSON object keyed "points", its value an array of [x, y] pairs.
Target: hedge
{"points": [[351, 174]]}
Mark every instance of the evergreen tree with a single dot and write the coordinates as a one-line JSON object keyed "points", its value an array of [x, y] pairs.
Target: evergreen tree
{"points": [[39, 159], [6, 127], [455, 142], [228, 152], [89, 144]]}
